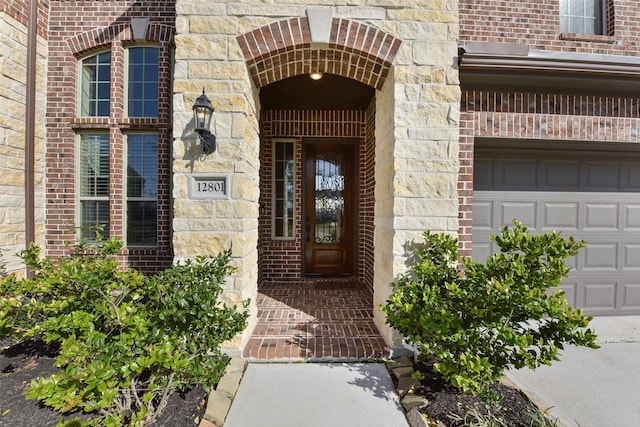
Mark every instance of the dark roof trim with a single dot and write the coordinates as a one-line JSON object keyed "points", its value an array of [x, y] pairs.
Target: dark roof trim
{"points": [[515, 67]]}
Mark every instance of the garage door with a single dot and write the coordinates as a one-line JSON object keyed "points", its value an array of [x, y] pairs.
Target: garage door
{"points": [[593, 195]]}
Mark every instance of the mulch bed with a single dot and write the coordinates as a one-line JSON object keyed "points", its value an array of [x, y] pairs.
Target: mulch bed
{"points": [[445, 401], [20, 363]]}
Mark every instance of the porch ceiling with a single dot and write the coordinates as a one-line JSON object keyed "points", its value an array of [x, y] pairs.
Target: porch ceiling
{"points": [[330, 92]]}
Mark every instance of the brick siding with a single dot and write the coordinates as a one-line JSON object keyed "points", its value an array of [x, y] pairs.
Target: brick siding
{"points": [[546, 114], [281, 260], [77, 29]]}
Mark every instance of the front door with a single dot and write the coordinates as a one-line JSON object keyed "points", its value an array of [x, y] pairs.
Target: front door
{"points": [[330, 224]]}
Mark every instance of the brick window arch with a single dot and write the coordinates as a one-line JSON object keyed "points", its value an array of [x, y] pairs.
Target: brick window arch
{"points": [[284, 49]]}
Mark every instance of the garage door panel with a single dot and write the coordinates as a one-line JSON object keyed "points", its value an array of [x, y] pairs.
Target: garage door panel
{"points": [[601, 216], [560, 175], [483, 174], [483, 215], [632, 176], [602, 176], [570, 292], [525, 212], [599, 296], [560, 216], [600, 256], [632, 217], [517, 174], [631, 256], [630, 296], [481, 251], [572, 262]]}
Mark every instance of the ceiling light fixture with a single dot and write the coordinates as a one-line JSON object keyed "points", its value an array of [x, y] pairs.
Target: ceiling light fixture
{"points": [[316, 75]]}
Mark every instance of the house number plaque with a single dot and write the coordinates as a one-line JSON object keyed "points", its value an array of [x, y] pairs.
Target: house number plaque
{"points": [[209, 187]]}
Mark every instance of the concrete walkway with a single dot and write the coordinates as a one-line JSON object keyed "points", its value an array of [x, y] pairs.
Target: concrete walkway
{"points": [[592, 388], [316, 395]]}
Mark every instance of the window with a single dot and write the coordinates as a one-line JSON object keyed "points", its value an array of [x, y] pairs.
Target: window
{"points": [[142, 189], [143, 82], [114, 153], [582, 16], [94, 185], [96, 85], [284, 194]]}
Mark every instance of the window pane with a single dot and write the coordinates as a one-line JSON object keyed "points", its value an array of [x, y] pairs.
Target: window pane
{"points": [[143, 82], [142, 170], [150, 108], [94, 215], [142, 223], [564, 7], [94, 165], [142, 183], [576, 25], [577, 8], [96, 85], [284, 193]]}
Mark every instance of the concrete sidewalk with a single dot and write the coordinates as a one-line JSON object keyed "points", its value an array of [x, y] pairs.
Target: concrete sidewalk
{"points": [[592, 388], [316, 395]]}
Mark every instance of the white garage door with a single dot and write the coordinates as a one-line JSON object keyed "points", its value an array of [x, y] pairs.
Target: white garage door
{"points": [[592, 195]]}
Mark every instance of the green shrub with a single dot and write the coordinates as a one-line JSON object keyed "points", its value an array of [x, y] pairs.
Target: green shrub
{"points": [[126, 341], [477, 321]]}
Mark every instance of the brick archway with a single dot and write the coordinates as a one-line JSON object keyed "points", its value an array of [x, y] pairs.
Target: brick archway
{"points": [[285, 49]]}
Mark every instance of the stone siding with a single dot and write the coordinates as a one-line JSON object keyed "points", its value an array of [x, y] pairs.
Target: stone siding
{"points": [[13, 80], [416, 127]]}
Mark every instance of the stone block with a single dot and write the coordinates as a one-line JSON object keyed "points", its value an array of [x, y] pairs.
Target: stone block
{"points": [[229, 384], [217, 408], [408, 385], [212, 24], [416, 419], [402, 371], [410, 401], [237, 364], [400, 362]]}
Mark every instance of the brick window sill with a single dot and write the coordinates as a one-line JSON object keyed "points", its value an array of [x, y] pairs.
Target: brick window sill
{"points": [[90, 122], [139, 123], [594, 38]]}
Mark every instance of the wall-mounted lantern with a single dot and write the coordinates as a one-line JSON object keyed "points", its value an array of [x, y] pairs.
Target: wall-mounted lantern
{"points": [[202, 113]]}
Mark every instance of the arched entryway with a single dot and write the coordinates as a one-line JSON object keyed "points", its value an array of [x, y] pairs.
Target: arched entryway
{"points": [[317, 184]]}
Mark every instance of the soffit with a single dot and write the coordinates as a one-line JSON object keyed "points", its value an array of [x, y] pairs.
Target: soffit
{"points": [[542, 72], [330, 92]]}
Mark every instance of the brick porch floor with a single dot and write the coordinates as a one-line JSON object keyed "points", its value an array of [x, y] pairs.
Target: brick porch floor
{"points": [[315, 322]]}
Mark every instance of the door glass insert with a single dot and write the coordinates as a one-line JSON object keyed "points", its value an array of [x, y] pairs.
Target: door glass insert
{"points": [[284, 197], [329, 197]]}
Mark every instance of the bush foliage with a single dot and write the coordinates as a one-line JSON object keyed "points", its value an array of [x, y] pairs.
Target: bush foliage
{"points": [[126, 341], [479, 319]]}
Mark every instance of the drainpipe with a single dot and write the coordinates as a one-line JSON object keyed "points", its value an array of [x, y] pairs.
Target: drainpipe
{"points": [[29, 170]]}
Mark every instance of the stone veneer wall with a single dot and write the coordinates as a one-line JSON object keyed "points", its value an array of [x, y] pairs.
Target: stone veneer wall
{"points": [[416, 151], [417, 144], [13, 78]]}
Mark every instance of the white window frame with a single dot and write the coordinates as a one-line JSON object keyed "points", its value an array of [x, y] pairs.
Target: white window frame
{"points": [[80, 80]]}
